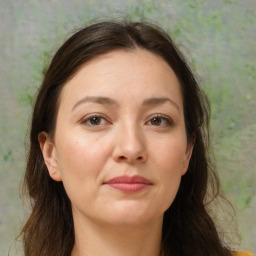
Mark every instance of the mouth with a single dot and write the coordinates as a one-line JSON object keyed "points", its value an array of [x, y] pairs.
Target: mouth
{"points": [[129, 184]]}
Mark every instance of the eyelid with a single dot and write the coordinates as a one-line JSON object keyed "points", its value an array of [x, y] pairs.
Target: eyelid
{"points": [[86, 118], [168, 119]]}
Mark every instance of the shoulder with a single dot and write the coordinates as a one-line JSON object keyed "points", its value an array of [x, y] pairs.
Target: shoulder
{"points": [[243, 254]]}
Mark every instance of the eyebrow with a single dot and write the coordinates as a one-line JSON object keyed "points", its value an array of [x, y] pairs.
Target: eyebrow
{"points": [[158, 101], [109, 101], [95, 99]]}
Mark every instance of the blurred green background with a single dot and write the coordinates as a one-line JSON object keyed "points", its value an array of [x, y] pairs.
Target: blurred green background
{"points": [[218, 39]]}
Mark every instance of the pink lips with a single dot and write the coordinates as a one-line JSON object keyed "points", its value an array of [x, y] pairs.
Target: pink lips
{"points": [[129, 183]]}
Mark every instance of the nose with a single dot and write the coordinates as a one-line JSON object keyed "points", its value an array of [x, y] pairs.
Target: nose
{"points": [[130, 146]]}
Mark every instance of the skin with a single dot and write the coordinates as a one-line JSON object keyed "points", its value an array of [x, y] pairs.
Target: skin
{"points": [[131, 134]]}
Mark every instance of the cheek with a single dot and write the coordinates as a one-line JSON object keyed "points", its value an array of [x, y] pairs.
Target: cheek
{"points": [[169, 159], [170, 155], [81, 162], [82, 156]]}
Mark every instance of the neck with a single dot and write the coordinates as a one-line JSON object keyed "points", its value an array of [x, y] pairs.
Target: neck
{"points": [[93, 239]]}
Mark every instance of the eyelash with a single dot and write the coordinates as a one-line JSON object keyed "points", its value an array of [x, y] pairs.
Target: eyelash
{"points": [[167, 120], [89, 118]]}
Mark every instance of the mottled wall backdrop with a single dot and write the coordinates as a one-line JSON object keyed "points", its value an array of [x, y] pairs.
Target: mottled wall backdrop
{"points": [[218, 38]]}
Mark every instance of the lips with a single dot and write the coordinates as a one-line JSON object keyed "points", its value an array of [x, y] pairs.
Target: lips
{"points": [[129, 183]]}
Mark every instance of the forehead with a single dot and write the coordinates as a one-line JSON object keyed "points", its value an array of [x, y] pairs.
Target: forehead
{"points": [[124, 74]]}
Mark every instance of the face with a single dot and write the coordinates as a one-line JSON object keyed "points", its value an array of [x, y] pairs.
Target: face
{"points": [[120, 145]]}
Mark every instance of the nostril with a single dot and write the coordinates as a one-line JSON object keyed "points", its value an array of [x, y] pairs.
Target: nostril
{"points": [[123, 158]]}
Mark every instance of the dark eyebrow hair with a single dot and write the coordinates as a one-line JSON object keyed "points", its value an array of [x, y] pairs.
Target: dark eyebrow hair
{"points": [[96, 99], [157, 101], [109, 101]]}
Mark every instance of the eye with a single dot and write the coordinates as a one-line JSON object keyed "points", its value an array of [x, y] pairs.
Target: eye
{"points": [[94, 120], [159, 120]]}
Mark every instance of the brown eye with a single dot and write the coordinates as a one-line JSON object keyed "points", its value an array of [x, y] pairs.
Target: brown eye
{"points": [[156, 121], [160, 120], [96, 120]]}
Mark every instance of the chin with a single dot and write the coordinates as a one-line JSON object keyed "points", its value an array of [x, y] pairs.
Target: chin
{"points": [[133, 216]]}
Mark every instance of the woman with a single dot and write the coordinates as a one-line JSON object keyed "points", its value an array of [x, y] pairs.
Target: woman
{"points": [[118, 150]]}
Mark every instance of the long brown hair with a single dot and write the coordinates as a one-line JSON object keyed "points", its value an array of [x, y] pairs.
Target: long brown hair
{"points": [[188, 229]]}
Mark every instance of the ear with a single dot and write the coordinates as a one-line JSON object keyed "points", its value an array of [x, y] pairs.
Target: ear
{"points": [[50, 155], [188, 154]]}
